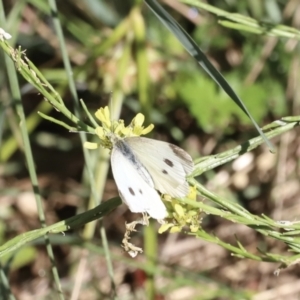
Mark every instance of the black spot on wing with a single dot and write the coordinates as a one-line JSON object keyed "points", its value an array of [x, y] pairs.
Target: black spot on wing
{"points": [[181, 154], [164, 171], [168, 162], [141, 192], [131, 191]]}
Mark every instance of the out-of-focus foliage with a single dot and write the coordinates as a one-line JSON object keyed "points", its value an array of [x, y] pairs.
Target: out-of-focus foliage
{"points": [[120, 51], [214, 111]]}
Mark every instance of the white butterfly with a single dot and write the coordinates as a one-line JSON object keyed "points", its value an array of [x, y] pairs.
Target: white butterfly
{"points": [[141, 166]]}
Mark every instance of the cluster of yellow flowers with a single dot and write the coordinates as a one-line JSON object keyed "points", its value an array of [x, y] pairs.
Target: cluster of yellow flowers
{"points": [[182, 215], [112, 128]]}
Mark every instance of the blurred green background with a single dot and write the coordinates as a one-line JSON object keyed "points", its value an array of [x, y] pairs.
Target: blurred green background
{"points": [[120, 50]]}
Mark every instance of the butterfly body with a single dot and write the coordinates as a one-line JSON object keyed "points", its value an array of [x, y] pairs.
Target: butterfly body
{"points": [[141, 166]]}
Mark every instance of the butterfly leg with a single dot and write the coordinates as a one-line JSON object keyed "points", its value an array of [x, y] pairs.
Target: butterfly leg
{"points": [[145, 220]]}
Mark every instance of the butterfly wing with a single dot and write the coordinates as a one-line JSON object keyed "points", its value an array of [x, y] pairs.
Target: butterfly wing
{"points": [[167, 164], [139, 195]]}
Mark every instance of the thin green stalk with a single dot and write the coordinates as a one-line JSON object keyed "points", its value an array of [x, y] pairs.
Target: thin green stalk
{"points": [[236, 213], [11, 144], [60, 123], [116, 36], [92, 120], [141, 59], [102, 166], [62, 226], [108, 260], [241, 22], [174, 273], [31, 74], [15, 90], [5, 290], [101, 171], [194, 50], [150, 246], [276, 128], [83, 138], [150, 232]]}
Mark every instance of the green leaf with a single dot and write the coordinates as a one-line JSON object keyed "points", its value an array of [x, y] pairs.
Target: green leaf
{"points": [[190, 45]]}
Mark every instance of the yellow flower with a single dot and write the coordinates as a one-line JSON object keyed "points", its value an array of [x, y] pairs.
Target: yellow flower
{"points": [[165, 227], [193, 193], [103, 115], [183, 215], [90, 145], [110, 129], [179, 210], [137, 125]]}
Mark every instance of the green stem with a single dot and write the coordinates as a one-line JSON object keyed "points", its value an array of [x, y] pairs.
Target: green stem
{"points": [[15, 90], [62, 226]]}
